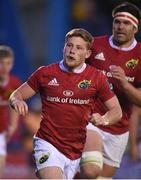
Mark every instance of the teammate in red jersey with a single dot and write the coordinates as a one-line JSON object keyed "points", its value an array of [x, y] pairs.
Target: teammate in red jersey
{"points": [[135, 137], [8, 118], [119, 57], [67, 91]]}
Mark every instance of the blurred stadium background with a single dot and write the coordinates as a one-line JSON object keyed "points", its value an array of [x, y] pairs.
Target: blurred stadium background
{"points": [[35, 29]]}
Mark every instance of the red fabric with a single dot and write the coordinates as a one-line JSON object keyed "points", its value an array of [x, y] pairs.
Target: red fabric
{"points": [[66, 105], [5, 92], [110, 56]]}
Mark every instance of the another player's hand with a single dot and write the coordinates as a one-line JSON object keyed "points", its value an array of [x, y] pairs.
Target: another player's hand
{"points": [[119, 74], [97, 119], [20, 106]]}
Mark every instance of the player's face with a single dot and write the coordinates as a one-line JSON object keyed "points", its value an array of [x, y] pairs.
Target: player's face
{"points": [[123, 32], [6, 65], [75, 52]]}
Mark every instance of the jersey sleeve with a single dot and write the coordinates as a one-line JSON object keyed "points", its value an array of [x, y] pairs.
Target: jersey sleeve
{"points": [[104, 91], [34, 81]]}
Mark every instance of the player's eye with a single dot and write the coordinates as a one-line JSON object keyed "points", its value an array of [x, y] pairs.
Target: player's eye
{"points": [[79, 47], [69, 45]]}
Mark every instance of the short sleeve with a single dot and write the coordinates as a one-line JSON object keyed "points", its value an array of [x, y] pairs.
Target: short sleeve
{"points": [[34, 81]]}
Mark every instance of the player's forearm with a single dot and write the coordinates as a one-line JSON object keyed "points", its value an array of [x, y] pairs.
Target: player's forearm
{"points": [[133, 129], [133, 94], [113, 115], [15, 96], [17, 99], [13, 124], [114, 112], [109, 118], [14, 118]]}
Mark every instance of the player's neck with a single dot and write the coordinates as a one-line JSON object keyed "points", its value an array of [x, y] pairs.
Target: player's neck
{"points": [[124, 47], [77, 69]]}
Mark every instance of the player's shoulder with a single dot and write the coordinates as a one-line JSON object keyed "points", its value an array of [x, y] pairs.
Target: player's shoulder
{"points": [[100, 41], [139, 45], [101, 38], [96, 72], [137, 50], [14, 78], [47, 67]]}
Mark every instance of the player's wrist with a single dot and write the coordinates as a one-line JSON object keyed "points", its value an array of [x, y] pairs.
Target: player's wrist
{"points": [[106, 120], [13, 100], [125, 85]]}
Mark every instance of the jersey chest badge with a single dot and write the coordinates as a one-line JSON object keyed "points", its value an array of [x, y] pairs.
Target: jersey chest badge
{"points": [[132, 63], [84, 84]]}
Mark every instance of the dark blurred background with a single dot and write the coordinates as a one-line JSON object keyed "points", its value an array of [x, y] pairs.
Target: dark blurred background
{"points": [[35, 29]]}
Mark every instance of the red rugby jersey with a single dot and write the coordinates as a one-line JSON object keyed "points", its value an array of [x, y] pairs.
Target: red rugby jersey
{"points": [[103, 56], [5, 92], [67, 100]]}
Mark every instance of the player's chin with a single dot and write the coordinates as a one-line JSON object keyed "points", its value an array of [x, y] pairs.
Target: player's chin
{"points": [[70, 64], [120, 38]]}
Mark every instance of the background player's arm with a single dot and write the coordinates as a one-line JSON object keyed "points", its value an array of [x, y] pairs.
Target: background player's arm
{"points": [[134, 94], [133, 129], [18, 96], [131, 92], [13, 124], [113, 114]]}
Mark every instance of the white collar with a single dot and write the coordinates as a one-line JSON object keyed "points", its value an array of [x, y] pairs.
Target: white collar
{"points": [[76, 70], [123, 49]]}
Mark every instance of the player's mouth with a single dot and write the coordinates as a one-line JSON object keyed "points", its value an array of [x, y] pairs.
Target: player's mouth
{"points": [[70, 58], [120, 34]]}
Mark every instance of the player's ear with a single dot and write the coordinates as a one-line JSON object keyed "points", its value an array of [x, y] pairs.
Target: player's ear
{"points": [[135, 29], [88, 53]]}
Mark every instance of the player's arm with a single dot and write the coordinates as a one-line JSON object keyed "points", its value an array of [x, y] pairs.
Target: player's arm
{"points": [[18, 96], [13, 124], [133, 129], [112, 116], [106, 95], [134, 94]]}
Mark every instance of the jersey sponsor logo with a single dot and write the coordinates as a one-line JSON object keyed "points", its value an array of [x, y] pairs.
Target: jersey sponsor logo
{"points": [[132, 63], [100, 56], [109, 74], [110, 85], [44, 158], [67, 100], [53, 82], [68, 93], [84, 84]]}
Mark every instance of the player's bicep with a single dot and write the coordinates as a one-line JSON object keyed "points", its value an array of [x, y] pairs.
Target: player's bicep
{"points": [[112, 102]]}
